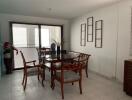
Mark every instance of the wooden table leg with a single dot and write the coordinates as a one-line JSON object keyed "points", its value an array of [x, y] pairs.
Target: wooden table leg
{"points": [[51, 75]]}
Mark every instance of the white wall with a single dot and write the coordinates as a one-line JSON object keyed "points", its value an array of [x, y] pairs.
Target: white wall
{"points": [[5, 18], [109, 60]]}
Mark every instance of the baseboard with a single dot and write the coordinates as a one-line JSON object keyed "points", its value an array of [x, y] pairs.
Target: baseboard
{"points": [[106, 77]]}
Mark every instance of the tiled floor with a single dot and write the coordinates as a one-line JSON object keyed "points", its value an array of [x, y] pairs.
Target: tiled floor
{"points": [[94, 88]]}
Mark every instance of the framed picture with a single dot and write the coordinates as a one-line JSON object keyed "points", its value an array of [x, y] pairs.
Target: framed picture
{"points": [[90, 29], [83, 35], [98, 33]]}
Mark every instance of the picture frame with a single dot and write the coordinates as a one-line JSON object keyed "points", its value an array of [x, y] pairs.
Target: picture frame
{"points": [[99, 33], [83, 35], [90, 23]]}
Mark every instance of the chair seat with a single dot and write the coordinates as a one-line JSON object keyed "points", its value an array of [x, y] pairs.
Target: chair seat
{"points": [[56, 65], [47, 65], [68, 75], [32, 72]]}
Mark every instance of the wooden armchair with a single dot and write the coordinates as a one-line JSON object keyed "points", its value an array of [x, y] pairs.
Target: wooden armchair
{"points": [[68, 73], [30, 69], [42, 53], [84, 58]]}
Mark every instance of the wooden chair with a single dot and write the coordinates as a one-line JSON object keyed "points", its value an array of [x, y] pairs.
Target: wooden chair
{"points": [[68, 73], [30, 69], [84, 57], [42, 52]]}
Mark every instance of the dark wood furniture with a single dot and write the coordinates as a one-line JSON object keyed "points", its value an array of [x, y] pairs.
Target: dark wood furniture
{"points": [[85, 58], [42, 53], [30, 69], [56, 59], [128, 76], [69, 72]]}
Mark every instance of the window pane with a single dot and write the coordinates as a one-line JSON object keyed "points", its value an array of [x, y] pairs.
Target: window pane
{"points": [[18, 39], [45, 37], [36, 37]]}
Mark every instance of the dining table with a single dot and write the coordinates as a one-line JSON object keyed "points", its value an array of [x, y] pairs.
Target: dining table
{"points": [[61, 57]]}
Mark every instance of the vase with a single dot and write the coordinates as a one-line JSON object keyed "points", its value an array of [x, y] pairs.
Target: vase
{"points": [[58, 49]]}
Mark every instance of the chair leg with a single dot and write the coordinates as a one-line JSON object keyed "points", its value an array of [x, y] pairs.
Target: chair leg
{"points": [[62, 90], [25, 83], [38, 76], [53, 84], [23, 79], [80, 86], [43, 77], [86, 70]]}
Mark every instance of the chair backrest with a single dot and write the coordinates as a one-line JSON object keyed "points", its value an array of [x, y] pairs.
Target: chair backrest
{"points": [[42, 52], [83, 58], [66, 65], [74, 66]]}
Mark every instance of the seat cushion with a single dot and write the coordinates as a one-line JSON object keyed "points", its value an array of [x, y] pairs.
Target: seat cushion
{"points": [[57, 65], [47, 65], [32, 71], [68, 75]]}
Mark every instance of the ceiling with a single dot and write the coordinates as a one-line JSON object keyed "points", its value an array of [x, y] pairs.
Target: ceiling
{"points": [[65, 9]]}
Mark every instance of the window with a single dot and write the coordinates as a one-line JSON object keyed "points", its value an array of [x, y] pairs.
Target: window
{"points": [[45, 42], [36, 37], [18, 39]]}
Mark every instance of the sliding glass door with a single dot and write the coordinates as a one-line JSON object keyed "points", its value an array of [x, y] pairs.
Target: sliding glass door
{"points": [[28, 37]]}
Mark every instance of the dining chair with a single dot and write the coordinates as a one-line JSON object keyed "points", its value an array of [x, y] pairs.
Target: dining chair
{"points": [[31, 69], [85, 58], [42, 52], [68, 73]]}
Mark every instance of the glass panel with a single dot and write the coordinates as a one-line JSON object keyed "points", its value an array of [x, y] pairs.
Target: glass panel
{"points": [[98, 34], [36, 37], [90, 38], [25, 35], [98, 44], [45, 42], [90, 30], [50, 34], [20, 41]]}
